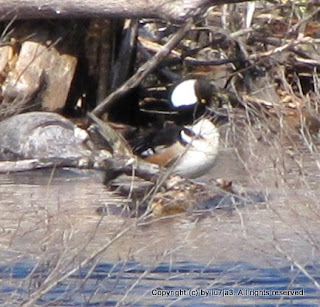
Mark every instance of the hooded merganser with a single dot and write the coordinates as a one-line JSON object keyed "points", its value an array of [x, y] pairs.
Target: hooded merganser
{"points": [[191, 91], [189, 151], [190, 97], [183, 103]]}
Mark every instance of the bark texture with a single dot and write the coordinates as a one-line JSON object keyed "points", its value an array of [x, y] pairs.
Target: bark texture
{"points": [[174, 10]]}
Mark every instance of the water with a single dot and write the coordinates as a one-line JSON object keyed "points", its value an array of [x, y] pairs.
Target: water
{"points": [[180, 283], [57, 251]]}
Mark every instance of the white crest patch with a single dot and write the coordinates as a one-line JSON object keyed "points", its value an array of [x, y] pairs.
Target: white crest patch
{"points": [[184, 94], [148, 152]]}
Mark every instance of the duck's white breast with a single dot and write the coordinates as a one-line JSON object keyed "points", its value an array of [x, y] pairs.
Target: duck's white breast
{"points": [[199, 157]]}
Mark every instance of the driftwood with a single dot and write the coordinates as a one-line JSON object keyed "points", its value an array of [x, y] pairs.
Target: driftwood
{"points": [[32, 164], [115, 140], [174, 10], [113, 167]]}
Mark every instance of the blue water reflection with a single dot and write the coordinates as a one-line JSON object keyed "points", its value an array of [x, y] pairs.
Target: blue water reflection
{"points": [[181, 283]]}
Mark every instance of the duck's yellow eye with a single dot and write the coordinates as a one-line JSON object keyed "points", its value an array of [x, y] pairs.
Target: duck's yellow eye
{"points": [[203, 100]]}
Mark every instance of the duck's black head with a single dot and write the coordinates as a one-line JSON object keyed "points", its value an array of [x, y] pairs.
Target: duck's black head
{"points": [[204, 91], [190, 98]]}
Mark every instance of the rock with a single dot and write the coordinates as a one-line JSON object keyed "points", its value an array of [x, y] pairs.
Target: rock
{"points": [[41, 135]]}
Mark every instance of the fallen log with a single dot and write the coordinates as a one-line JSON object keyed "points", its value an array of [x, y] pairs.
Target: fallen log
{"points": [[174, 10]]}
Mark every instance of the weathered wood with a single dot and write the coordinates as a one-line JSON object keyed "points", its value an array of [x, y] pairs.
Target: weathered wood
{"points": [[60, 68], [32, 164], [6, 54], [118, 144], [40, 69], [23, 81], [175, 10]]}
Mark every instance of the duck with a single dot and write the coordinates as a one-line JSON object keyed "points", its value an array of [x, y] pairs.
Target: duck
{"points": [[190, 97], [191, 91], [188, 150], [182, 102]]}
